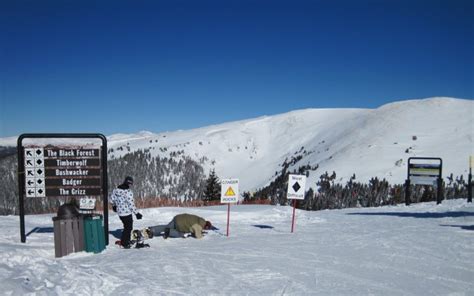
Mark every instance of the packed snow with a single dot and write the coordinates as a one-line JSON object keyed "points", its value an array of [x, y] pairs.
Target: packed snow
{"points": [[421, 249]]}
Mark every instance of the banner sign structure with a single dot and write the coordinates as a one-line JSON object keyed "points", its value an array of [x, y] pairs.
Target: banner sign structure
{"points": [[54, 166], [296, 187], [229, 190], [424, 171]]}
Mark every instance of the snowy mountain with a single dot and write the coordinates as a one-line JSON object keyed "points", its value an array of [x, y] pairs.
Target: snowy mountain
{"points": [[365, 142]]}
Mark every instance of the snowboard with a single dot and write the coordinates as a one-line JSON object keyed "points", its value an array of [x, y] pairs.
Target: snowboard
{"points": [[138, 237]]}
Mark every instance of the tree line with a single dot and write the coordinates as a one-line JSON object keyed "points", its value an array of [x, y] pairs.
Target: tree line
{"points": [[332, 195], [178, 180]]}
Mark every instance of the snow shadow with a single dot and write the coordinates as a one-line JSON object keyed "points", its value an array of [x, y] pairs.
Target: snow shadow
{"points": [[41, 230], [455, 214], [117, 233], [465, 227], [263, 226]]}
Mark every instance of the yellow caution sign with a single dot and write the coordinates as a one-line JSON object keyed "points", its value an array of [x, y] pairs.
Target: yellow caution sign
{"points": [[229, 192]]}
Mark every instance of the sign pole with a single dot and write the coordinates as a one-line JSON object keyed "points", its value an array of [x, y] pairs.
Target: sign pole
{"points": [[469, 188], [228, 218], [469, 180], [21, 186], [293, 220], [407, 192]]}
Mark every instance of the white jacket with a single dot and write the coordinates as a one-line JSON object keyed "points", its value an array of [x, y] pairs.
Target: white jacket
{"points": [[123, 200]]}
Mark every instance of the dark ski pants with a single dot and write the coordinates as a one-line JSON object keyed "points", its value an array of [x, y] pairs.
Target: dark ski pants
{"points": [[159, 230], [127, 229]]}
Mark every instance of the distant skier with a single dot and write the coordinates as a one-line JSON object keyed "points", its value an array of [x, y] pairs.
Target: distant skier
{"points": [[123, 203], [181, 226]]}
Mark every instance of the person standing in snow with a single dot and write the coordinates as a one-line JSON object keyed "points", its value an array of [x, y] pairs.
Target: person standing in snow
{"points": [[181, 225], [123, 203]]}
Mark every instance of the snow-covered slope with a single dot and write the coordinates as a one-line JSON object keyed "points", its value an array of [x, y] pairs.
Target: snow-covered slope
{"points": [[367, 142], [423, 249]]}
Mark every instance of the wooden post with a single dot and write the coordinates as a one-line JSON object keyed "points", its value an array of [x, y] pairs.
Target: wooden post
{"points": [[228, 218], [293, 220]]}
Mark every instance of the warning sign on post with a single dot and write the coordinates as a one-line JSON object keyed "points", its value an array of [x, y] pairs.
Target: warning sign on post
{"points": [[229, 190], [296, 186]]}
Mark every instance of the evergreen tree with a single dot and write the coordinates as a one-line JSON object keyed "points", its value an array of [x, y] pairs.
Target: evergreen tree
{"points": [[213, 187]]}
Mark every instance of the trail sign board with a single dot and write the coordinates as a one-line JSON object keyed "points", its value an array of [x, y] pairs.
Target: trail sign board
{"points": [[424, 171], [62, 171], [55, 166], [296, 186], [229, 190]]}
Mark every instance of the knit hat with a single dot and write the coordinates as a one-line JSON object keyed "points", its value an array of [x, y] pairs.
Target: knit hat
{"points": [[208, 225], [128, 180]]}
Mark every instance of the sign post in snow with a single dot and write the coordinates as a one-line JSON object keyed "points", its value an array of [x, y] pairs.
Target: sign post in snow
{"points": [[469, 181], [424, 171], [67, 170], [229, 194], [296, 189]]}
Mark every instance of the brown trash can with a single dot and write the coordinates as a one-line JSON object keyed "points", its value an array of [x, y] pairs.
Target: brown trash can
{"points": [[68, 235]]}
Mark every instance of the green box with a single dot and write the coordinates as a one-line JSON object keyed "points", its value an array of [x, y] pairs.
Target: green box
{"points": [[94, 238]]}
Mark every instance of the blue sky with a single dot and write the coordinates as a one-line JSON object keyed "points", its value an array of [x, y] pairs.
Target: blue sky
{"points": [[127, 66]]}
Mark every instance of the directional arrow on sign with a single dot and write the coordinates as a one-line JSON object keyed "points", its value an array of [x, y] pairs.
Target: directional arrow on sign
{"points": [[29, 163], [30, 182], [30, 192], [28, 153], [30, 173]]}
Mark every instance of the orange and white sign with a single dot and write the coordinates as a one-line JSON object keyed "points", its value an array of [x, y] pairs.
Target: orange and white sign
{"points": [[229, 190]]}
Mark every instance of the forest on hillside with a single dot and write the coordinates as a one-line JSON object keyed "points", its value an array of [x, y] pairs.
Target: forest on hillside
{"points": [[178, 180]]}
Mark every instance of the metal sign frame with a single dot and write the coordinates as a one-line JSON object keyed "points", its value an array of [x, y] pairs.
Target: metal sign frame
{"points": [[21, 174], [439, 178]]}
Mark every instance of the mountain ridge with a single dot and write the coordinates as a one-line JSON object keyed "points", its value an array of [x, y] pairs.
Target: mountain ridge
{"points": [[365, 142]]}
